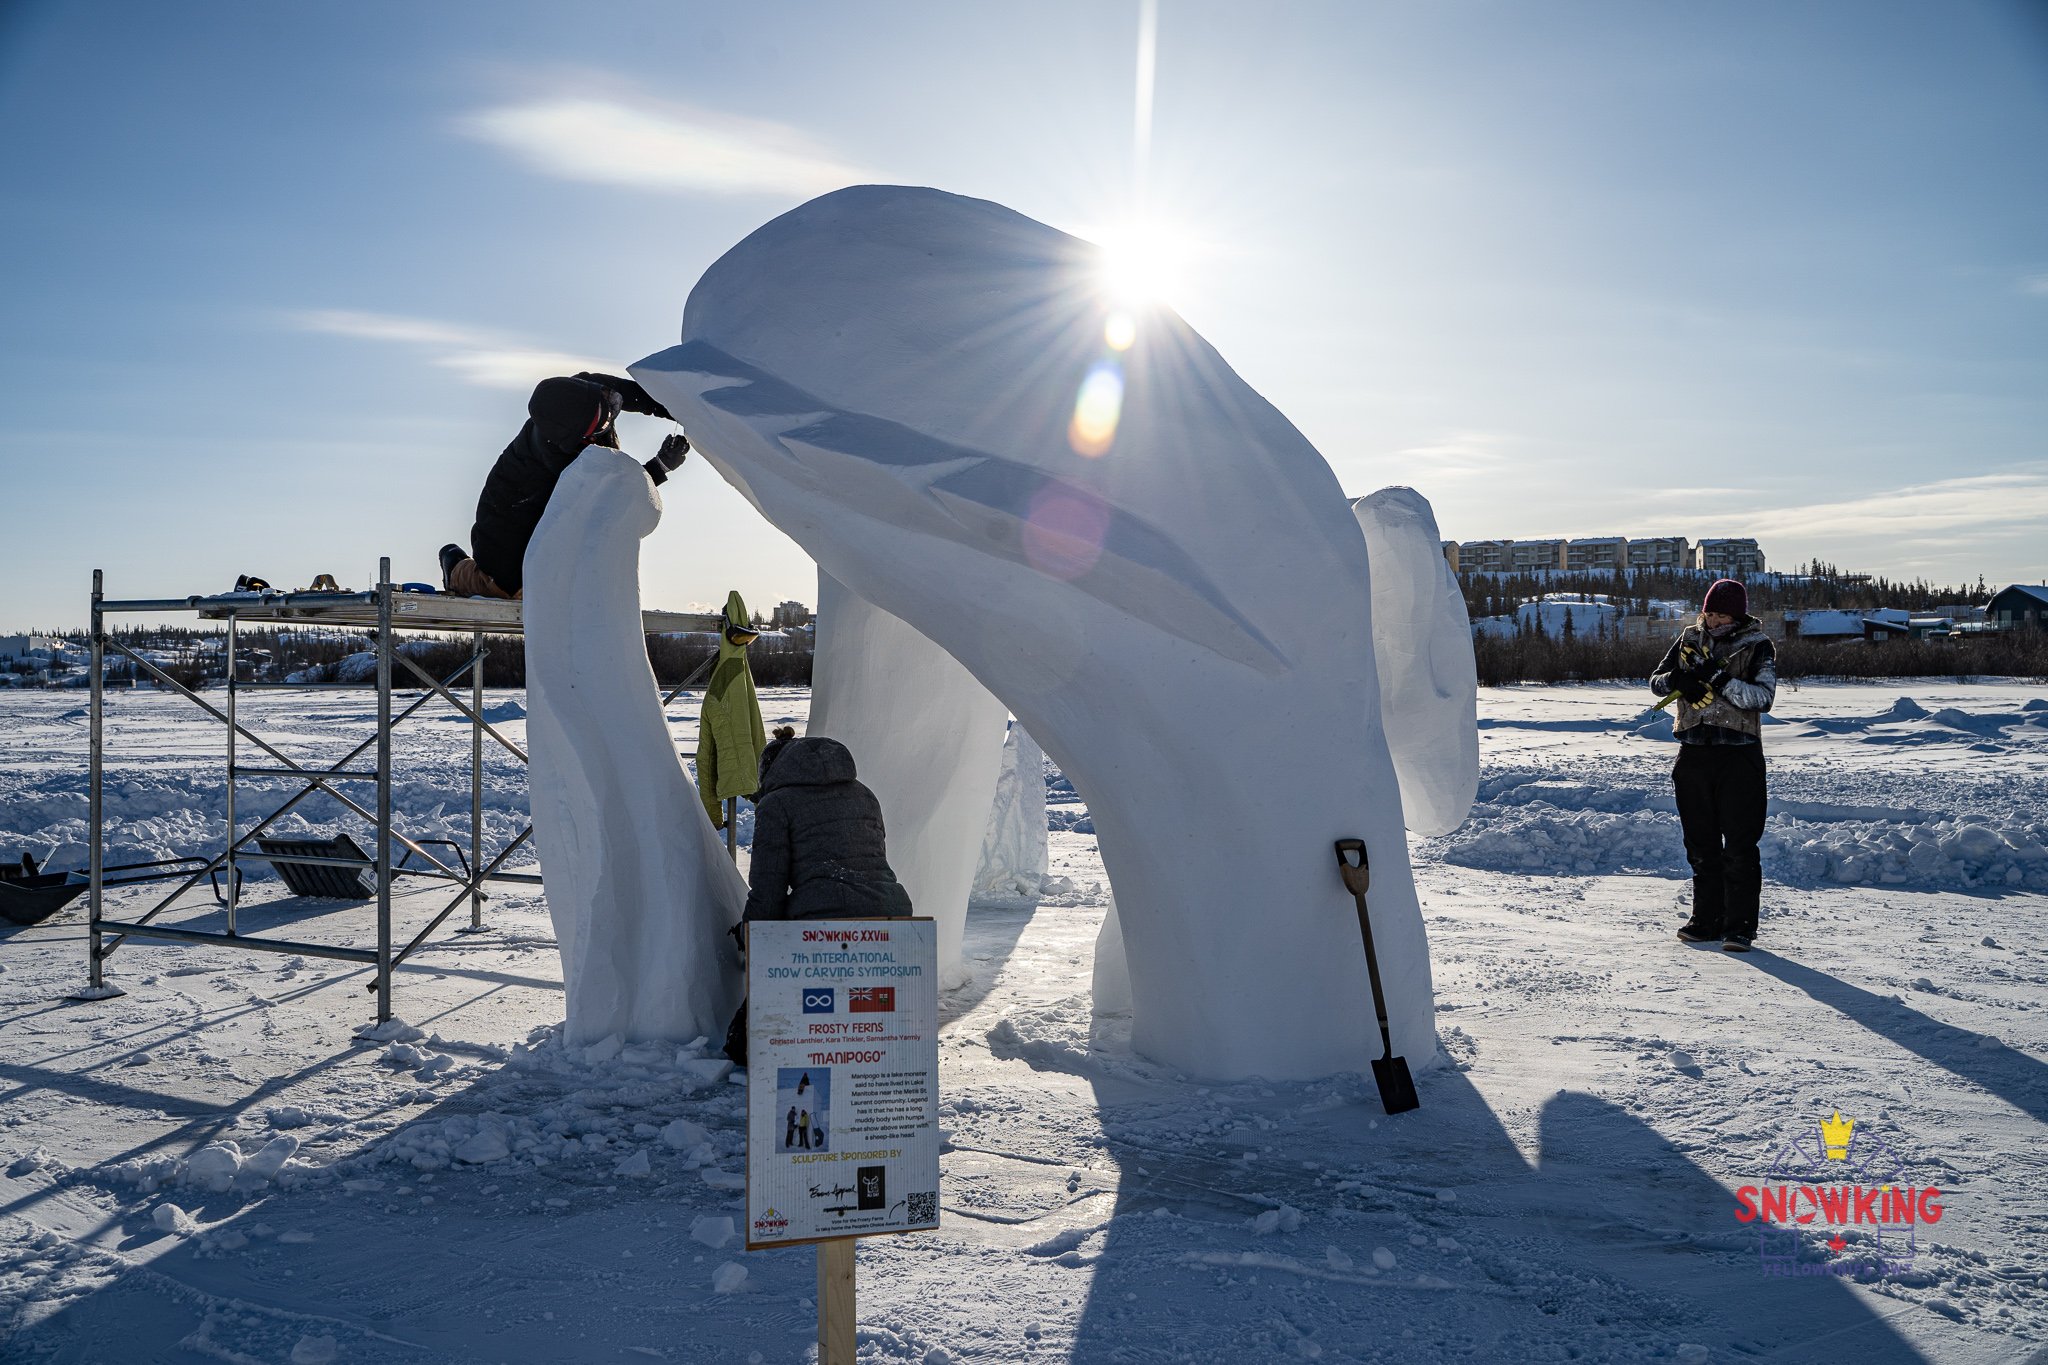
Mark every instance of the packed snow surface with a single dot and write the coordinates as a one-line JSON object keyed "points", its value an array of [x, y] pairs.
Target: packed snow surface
{"points": [[469, 1185], [638, 884], [1136, 553], [1422, 648], [925, 737]]}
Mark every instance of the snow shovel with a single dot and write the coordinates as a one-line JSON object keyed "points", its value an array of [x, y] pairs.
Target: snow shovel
{"points": [[1397, 1087]]}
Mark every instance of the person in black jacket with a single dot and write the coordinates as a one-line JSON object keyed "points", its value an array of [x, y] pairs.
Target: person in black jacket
{"points": [[1724, 673], [563, 416], [820, 850]]}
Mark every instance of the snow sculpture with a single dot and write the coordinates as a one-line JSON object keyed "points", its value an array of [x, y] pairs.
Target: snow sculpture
{"points": [[1148, 565], [926, 739], [1013, 849], [638, 885], [1422, 647]]}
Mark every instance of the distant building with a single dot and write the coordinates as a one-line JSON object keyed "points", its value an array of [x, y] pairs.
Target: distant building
{"points": [[1732, 558], [1451, 554], [1532, 556], [2022, 604], [1484, 556], [1660, 552], [29, 646], [789, 615], [1597, 552]]}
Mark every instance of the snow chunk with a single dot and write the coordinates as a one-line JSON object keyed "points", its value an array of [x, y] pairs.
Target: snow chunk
{"points": [[392, 1030], [486, 1144], [1383, 1258], [173, 1219], [728, 1278], [634, 1166], [713, 1231], [683, 1134], [312, 1350], [1286, 1218], [213, 1166]]}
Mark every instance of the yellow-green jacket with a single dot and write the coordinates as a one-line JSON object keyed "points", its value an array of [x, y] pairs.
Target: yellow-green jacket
{"points": [[729, 733]]}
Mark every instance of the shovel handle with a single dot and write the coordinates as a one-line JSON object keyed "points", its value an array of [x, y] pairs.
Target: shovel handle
{"points": [[1353, 866]]}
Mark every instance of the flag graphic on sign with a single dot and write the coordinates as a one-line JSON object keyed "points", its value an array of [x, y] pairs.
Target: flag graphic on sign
{"points": [[870, 999]]}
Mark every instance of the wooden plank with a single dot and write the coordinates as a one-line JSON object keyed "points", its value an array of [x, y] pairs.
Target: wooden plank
{"points": [[835, 1301]]}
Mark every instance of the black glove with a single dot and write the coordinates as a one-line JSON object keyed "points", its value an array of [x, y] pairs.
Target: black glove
{"points": [[1692, 684], [674, 449], [632, 398], [1721, 678]]}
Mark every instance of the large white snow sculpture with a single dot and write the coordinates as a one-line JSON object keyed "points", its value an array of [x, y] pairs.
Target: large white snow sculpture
{"points": [[1014, 853], [1137, 554], [926, 738], [1422, 646], [638, 885]]}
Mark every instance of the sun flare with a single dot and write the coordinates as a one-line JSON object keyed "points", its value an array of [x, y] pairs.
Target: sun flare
{"points": [[1144, 263]]}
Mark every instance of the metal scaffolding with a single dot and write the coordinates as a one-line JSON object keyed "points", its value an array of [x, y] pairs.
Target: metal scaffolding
{"points": [[381, 611]]}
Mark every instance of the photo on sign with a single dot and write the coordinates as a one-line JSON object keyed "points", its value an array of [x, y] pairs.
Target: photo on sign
{"points": [[803, 1095]]}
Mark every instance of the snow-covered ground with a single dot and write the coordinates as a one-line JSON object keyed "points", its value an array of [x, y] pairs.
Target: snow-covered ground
{"points": [[478, 1192]]}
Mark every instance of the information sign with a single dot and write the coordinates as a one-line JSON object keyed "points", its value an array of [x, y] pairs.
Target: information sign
{"points": [[842, 1079]]}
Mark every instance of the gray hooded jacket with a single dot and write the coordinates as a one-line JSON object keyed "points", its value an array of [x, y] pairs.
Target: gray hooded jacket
{"points": [[1748, 684], [819, 847]]}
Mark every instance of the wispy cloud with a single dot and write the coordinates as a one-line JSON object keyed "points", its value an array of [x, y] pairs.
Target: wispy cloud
{"points": [[2037, 285], [1456, 455], [486, 359], [653, 145], [1982, 505]]}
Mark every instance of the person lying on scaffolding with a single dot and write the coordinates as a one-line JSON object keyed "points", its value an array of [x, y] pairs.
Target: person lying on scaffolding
{"points": [[563, 416]]}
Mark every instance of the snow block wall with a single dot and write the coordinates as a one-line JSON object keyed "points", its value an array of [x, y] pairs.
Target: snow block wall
{"points": [[638, 884], [1136, 553], [926, 738], [1014, 853], [1422, 646]]}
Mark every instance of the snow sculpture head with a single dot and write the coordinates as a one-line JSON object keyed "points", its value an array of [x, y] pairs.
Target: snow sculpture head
{"points": [[1129, 547]]}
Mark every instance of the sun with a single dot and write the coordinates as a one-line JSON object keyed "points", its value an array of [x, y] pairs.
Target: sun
{"points": [[1144, 263]]}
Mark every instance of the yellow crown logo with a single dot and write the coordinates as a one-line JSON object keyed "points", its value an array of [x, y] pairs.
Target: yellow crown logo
{"points": [[1834, 1136]]}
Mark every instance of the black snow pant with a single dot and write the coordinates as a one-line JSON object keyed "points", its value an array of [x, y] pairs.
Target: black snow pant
{"points": [[1721, 812]]}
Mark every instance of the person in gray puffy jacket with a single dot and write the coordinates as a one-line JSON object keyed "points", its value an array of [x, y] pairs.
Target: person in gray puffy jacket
{"points": [[820, 851]]}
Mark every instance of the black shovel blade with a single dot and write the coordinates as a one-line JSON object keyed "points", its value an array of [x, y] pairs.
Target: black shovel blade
{"points": [[1397, 1087]]}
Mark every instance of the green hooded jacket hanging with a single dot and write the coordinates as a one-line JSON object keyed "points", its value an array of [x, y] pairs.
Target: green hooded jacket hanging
{"points": [[729, 733]]}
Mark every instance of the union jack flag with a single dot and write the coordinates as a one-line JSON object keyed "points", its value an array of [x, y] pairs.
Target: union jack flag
{"points": [[870, 999]]}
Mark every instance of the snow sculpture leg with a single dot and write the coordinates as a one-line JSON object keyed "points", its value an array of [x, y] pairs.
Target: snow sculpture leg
{"points": [[1422, 645], [927, 739], [1013, 851], [638, 885], [1137, 554]]}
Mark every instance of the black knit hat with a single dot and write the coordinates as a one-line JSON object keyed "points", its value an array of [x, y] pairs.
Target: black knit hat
{"points": [[1727, 597]]}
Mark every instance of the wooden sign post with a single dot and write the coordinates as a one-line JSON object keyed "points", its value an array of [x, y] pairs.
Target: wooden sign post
{"points": [[835, 1301], [842, 1094]]}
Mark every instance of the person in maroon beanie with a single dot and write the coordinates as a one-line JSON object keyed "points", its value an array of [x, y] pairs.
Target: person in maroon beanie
{"points": [[1725, 676]]}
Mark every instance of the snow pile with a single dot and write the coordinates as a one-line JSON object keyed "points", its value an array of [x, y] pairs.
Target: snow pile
{"points": [[640, 890], [926, 738], [1422, 648], [216, 1168], [1136, 553], [1013, 851]]}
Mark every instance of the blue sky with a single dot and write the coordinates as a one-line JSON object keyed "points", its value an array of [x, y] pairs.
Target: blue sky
{"points": [[279, 276]]}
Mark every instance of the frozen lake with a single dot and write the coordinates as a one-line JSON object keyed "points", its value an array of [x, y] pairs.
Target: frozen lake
{"points": [[1567, 1190]]}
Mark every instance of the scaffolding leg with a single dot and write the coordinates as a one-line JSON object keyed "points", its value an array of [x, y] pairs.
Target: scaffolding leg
{"points": [[383, 789], [476, 781], [732, 834], [233, 643], [95, 756]]}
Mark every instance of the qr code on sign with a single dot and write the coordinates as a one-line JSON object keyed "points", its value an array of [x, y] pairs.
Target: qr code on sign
{"points": [[924, 1208]]}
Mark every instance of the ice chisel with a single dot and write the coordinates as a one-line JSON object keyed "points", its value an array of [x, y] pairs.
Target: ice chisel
{"points": [[1397, 1087]]}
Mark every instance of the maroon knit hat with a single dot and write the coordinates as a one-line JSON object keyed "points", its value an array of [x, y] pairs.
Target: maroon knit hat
{"points": [[1727, 597]]}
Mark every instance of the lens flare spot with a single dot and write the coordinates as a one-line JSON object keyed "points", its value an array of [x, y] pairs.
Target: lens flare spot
{"points": [[1097, 409], [1063, 532], [1120, 331]]}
